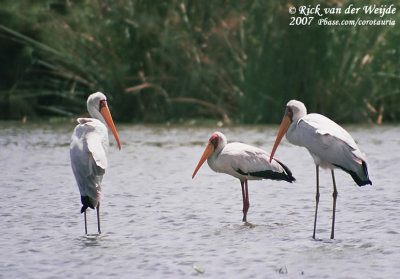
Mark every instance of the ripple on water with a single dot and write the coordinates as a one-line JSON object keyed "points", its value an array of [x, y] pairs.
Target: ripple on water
{"points": [[158, 222]]}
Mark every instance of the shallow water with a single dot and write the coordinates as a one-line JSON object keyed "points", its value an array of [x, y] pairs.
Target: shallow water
{"points": [[159, 223]]}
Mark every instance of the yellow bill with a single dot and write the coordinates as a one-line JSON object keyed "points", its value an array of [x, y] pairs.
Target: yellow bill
{"points": [[105, 112], [207, 152], [282, 131]]}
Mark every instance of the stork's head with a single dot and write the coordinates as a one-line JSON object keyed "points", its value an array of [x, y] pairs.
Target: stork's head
{"points": [[216, 143], [294, 111], [98, 108]]}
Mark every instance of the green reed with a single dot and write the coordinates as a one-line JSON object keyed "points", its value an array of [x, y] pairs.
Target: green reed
{"points": [[239, 61]]}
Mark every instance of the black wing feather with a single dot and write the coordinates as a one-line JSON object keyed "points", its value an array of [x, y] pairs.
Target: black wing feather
{"points": [[270, 174]]}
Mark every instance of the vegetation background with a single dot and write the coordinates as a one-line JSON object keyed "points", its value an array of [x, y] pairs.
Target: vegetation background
{"points": [[239, 61]]}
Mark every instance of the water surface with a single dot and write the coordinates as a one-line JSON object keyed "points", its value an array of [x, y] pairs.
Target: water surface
{"points": [[159, 223]]}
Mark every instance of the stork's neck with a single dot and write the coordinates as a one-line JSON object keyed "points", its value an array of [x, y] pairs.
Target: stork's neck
{"points": [[299, 112], [212, 160], [221, 144], [95, 113]]}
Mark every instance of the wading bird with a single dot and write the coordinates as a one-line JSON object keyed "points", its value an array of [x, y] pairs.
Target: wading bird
{"points": [[329, 144], [88, 152], [242, 161]]}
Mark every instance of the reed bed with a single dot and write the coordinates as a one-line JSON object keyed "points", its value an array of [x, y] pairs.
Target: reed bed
{"points": [[238, 61]]}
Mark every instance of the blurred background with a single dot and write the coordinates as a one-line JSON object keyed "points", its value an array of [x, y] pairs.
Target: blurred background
{"points": [[177, 60]]}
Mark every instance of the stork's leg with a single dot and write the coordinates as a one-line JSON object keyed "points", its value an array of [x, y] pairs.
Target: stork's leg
{"points": [[84, 216], [334, 194], [247, 199], [98, 217], [316, 199], [245, 195]]}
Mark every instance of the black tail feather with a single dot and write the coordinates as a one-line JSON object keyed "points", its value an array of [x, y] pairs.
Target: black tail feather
{"points": [[270, 174], [86, 203], [360, 182], [289, 175], [366, 173]]}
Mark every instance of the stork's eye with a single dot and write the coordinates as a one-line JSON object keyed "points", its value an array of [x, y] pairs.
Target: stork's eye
{"points": [[103, 103], [214, 140], [289, 112]]}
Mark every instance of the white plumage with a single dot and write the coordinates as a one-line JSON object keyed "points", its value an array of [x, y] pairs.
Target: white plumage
{"points": [[242, 161], [88, 152], [329, 144], [236, 158]]}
